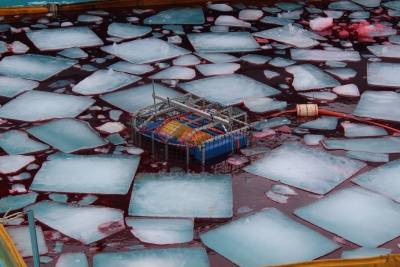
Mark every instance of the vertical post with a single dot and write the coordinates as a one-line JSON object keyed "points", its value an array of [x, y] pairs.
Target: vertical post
{"points": [[34, 244]]}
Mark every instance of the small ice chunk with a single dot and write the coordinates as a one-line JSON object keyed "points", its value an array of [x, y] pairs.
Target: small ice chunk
{"points": [[362, 130], [368, 3], [18, 47], [62, 38], [225, 20], [368, 156], [74, 53], [67, 135], [182, 195], [320, 96], [324, 55], [252, 151], [334, 13], [250, 14], [269, 74], [13, 163], [283, 190], [219, 7], [22, 239], [309, 77], [268, 237], [146, 50], [127, 67], [350, 90], [86, 224], [387, 144], [228, 89], [40, 105], [360, 216], [264, 104], [186, 60], [127, 30], [63, 198], [34, 67], [344, 5], [161, 231], [218, 57], [306, 168], [342, 73], [278, 198], [281, 62], [270, 123], [364, 252], [223, 42], [217, 69], [72, 259], [10, 87], [321, 23], [175, 73], [313, 139], [255, 59], [104, 81], [392, 4], [179, 15], [136, 98], [161, 257], [289, 34], [111, 127], [391, 51], [108, 174], [288, 6], [382, 105], [11, 203], [90, 19], [87, 200], [276, 20]]}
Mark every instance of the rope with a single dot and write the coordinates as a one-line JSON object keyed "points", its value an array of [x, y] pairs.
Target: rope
{"points": [[6, 217]]}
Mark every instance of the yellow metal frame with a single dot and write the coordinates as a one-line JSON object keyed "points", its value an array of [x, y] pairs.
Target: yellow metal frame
{"points": [[392, 260], [11, 249]]}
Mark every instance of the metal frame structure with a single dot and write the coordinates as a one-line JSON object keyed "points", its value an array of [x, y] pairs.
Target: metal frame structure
{"points": [[232, 120]]}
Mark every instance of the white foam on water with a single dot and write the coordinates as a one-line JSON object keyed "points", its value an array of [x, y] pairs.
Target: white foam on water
{"points": [[13, 163], [309, 77], [360, 216], [67, 135], [39, 105], [161, 231], [18, 142], [182, 195], [104, 81], [310, 169], [34, 67], [86, 224], [228, 89], [146, 50], [224, 42], [267, 237], [127, 30], [62, 38], [22, 239], [102, 174]]}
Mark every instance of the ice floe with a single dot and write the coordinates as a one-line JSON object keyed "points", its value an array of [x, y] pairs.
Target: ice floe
{"points": [[309, 77]]}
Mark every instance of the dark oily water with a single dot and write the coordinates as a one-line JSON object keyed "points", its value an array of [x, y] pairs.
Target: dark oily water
{"points": [[341, 55]]}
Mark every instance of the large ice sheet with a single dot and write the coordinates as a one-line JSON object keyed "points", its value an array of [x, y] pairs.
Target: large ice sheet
{"points": [[365, 253], [145, 50], [384, 179], [39, 105], [18, 142], [266, 238], [67, 135], [104, 81], [228, 89], [352, 129], [224, 42], [383, 74], [72, 259], [33, 67], [182, 195], [289, 34], [309, 77], [127, 30], [14, 163], [161, 231], [310, 169], [10, 87], [61, 38], [358, 215], [22, 239], [388, 144], [324, 55], [136, 98], [163, 257], [11, 203], [392, 51], [379, 105], [180, 15], [86, 224], [103, 174]]}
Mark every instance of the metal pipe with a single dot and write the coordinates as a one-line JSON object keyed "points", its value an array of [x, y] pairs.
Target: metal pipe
{"points": [[34, 243]]}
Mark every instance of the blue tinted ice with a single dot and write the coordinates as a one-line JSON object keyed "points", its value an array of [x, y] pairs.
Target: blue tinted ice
{"points": [[18, 142], [181, 15]]}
